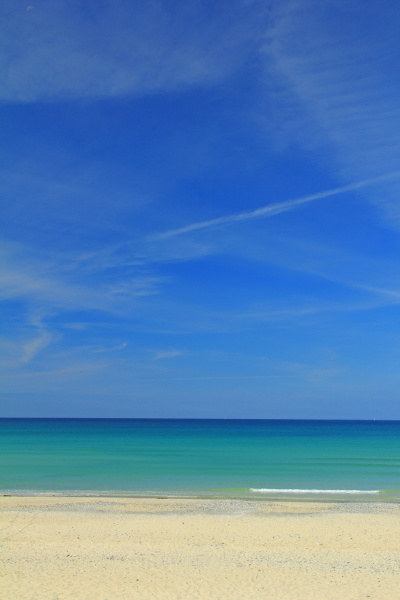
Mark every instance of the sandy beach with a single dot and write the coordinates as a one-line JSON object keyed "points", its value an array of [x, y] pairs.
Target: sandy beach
{"points": [[59, 548]]}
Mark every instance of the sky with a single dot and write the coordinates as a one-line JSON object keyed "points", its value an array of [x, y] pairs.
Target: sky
{"points": [[200, 209]]}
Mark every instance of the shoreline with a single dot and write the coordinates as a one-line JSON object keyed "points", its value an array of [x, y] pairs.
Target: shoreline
{"points": [[85, 548], [294, 496]]}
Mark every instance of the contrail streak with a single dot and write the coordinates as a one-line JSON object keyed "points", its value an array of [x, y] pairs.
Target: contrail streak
{"points": [[274, 209]]}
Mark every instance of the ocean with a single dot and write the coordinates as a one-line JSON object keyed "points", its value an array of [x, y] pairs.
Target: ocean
{"points": [[269, 459]]}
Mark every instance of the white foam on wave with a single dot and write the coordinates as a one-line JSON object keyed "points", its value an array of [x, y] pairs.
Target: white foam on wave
{"points": [[300, 491]]}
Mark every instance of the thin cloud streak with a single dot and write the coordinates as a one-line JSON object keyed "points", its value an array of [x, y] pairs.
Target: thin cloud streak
{"points": [[63, 50], [113, 349], [167, 354], [274, 209], [336, 86], [81, 369], [212, 378], [33, 347]]}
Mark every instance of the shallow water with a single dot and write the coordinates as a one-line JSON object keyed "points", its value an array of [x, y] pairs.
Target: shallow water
{"points": [[349, 460]]}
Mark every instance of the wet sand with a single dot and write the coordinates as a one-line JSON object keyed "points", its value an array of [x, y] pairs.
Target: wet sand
{"points": [[56, 548]]}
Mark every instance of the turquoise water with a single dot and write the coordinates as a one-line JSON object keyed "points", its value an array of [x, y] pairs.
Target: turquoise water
{"points": [[349, 460]]}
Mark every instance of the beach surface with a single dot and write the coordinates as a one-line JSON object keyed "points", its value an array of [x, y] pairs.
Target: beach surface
{"points": [[62, 548]]}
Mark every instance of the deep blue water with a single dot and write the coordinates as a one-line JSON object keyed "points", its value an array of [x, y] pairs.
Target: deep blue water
{"points": [[201, 457]]}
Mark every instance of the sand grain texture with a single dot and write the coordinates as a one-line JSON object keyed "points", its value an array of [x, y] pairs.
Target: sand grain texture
{"points": [[122, 549]]}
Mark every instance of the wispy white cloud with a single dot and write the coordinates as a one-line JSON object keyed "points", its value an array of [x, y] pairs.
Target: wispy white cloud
{"points": [[151, 249], [285, 315], [161, 354], [51, 283], [117, 49], [274, 209], [136, 287], [45, 288], [248, 366], [61, 373], [373, 274], [112, 349], [26, 343], [215, 377], [31, 348], [334, 66]]}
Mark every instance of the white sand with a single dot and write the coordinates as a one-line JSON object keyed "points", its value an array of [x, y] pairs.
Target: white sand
{"points": [[109, 549]]}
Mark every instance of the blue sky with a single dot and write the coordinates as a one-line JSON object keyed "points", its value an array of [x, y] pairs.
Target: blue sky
{"points": [[200, 209]]}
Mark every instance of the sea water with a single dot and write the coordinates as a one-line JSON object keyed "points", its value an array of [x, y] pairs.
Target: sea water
{"points": [[341, 460]]}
